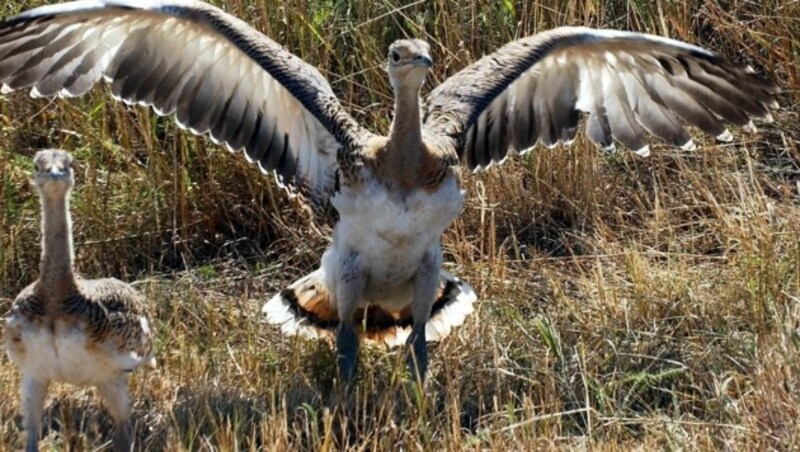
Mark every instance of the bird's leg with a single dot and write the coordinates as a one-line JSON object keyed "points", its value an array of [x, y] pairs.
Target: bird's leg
{"points": [[425, 283], [118, 401], [34, 392], [349, 292]]}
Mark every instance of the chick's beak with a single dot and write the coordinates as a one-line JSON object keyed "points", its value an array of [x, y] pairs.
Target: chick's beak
{"points": [[424, 60], [56, 173]]}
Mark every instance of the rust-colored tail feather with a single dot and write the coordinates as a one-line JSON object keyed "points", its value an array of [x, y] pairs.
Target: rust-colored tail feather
{"points": [[306, 308]]}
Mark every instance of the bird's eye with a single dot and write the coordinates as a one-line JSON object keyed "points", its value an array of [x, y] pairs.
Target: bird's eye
{"points": [[395, 57]]}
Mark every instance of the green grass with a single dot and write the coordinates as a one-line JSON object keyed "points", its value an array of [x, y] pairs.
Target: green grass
{"points": [[624, 302]]}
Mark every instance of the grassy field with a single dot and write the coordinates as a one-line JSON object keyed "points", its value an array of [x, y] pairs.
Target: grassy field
{"points": [[624, 302]]}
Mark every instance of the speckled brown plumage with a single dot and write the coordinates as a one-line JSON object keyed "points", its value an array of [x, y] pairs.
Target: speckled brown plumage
{"points": [[107, 310], [425, 168]]}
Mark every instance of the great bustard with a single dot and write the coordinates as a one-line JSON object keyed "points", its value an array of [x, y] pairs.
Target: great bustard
{"points": [[394, 194], [66, 329]]}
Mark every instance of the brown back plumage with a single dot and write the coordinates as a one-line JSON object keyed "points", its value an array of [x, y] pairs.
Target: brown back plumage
{"points": [[109, 311]]}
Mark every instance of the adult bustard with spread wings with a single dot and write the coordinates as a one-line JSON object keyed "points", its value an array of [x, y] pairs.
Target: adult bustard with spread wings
{"points": [[394, 194]]}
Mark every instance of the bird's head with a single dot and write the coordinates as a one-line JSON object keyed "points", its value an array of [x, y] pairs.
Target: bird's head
{"points": [[54, 175], [409, 61]]}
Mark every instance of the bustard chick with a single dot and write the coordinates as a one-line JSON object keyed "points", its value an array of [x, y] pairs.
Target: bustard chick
{"points": [[66, 329], [394, 194]]}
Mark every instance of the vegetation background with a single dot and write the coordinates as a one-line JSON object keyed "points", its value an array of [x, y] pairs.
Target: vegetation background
{"points": [[624, 302]]}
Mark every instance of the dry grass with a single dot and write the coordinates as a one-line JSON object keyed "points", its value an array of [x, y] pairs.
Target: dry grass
{"points": [[625, 302]]}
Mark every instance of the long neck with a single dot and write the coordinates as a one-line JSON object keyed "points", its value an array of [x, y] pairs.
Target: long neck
{"points": [[57, 257], [406, 128]]}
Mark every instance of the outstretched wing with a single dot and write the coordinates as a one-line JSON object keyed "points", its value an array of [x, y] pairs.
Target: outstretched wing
{"points": [[533, 89], [213, 72]]}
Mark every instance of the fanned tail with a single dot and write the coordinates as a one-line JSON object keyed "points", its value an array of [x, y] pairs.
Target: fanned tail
{"points": [[305, 308]]}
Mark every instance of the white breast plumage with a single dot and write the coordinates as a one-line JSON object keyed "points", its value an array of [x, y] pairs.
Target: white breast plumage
{"points": [[392, 232], [64, 353]]}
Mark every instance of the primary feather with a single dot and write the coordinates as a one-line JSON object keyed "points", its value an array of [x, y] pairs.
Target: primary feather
{"points": [[532, 90], [214, 73]]}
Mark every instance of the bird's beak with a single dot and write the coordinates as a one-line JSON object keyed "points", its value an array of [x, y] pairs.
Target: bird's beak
{"points": [[56, 173], [424, 60]]}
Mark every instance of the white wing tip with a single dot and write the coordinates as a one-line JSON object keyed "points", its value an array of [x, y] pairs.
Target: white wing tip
{"points": [[611, 148], [749, 69], [279, 180], [774, 105], [726, 136], [644, 151], [750, 127], [689, 145], [259, 165], [65, 92], [119, 98], [5, 89], [161, 112], [231, 148], [768, 118]]}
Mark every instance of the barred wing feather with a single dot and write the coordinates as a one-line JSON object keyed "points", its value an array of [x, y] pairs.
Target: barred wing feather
{"points": [[213, 72], [532, 91]]}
